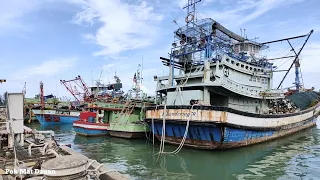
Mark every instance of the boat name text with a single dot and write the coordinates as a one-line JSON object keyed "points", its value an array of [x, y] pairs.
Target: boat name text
{"points": [[186, 114]]}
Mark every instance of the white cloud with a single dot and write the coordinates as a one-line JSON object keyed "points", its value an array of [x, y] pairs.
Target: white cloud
{"points": [[49, 68], [12, 11], [244, 11], [310, 58], [124, 26]]}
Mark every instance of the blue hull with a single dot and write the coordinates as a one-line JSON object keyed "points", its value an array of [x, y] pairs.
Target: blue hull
{"points": [[51, 119], [90, 132], [214, 136]]}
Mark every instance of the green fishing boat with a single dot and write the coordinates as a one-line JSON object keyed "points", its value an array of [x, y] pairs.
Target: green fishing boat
{"points": [[129, 122]]}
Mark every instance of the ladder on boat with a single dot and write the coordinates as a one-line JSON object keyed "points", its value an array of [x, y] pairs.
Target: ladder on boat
{"points": [[127, 109]]}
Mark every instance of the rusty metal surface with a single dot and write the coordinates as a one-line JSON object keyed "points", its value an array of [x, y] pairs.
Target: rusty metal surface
{"points": [[211, 145], [227, 118]]}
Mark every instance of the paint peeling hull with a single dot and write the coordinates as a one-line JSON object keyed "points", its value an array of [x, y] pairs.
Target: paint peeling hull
{"points": [[253, 137], [223, 129]]}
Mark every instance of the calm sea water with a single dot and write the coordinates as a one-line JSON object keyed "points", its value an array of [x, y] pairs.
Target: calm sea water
{"points": [[293, 157]]}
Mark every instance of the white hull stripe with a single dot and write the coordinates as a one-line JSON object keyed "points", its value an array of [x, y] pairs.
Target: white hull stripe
{"points": [[90, 126], [228, 117]]}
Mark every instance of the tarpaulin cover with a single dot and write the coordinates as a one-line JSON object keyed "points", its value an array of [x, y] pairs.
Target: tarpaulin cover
{"points": [[303, 99]]}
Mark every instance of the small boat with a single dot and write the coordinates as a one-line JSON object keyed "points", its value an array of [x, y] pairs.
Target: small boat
{"points": [[95, 122], [87, 125], [56, 116]]}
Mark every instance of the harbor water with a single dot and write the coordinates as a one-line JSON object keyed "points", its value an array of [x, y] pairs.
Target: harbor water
{"points": [[293, 157]]}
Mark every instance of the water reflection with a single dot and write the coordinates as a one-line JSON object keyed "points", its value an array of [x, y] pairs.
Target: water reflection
{"points": [[296, 156]]}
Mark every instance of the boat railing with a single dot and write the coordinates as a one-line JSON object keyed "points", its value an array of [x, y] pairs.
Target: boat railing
{"points": [[251, 90]]}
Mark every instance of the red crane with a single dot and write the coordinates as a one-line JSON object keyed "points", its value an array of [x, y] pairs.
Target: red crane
{"points": [[73, 86]]}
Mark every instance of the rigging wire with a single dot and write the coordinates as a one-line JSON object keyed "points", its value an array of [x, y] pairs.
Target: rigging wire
{"points": [[294, 45]]}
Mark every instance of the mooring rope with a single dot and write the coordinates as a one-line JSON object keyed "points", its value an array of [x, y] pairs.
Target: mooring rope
{"points": [[152, 123], [162, 140], [161, 151]]}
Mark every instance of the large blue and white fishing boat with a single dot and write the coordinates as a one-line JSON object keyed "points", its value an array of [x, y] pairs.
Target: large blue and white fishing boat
{"points": [[223, 96]]}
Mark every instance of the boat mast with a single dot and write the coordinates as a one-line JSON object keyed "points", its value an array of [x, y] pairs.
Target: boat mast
{"points": [[190, 18], [41, 95], [295, 61], [137, 82]]}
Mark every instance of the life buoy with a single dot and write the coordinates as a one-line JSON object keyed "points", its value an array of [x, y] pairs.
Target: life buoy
{"points": [[226, 72], [188, 19]]}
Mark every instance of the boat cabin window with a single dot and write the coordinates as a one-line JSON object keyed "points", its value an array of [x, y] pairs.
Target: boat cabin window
{"points": [[254, 79], [244, 47]]}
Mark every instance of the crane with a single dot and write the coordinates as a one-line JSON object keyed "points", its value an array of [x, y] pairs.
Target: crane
{"points": [[78, 88]]}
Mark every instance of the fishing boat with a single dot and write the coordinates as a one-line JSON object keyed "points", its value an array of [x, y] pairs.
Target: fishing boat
{"points": [[129, 122], [88, 126], [104, 105], [223, 96], [95, 122], [56, 116], [38, 102]]}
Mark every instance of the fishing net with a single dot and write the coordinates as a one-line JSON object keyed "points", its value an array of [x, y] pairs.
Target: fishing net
{"points": [[303, 100]]}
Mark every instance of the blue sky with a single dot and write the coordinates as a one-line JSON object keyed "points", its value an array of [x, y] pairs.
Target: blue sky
{"points": [[49, 40]]}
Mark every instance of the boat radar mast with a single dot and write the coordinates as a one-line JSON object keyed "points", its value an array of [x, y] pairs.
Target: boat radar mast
{"points": [[137, 83]]}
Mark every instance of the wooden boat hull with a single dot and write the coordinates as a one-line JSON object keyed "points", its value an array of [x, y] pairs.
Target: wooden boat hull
{"points": [[90, 129], [206, 134]]}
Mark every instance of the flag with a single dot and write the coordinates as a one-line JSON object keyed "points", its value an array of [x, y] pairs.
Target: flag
{"points": [[135, 77]]}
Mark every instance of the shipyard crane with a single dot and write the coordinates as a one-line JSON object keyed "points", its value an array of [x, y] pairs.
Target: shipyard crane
{"points": [[78, 88]]}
